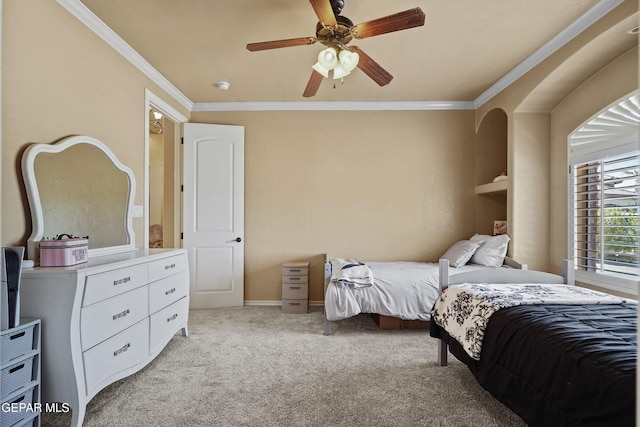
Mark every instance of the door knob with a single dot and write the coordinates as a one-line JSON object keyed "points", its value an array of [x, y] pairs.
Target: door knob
{"points": [[238, 239]]}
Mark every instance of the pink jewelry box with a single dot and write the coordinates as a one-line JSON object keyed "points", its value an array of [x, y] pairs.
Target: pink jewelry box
{"points": [[64, 252]]}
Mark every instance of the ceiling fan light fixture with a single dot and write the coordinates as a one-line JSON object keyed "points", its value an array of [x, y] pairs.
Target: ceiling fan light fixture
{"points": [[340, 71], [348, 60], [328, 58], [319, 68]]}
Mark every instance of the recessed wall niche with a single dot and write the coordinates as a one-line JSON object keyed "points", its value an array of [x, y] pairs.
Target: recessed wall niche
{"points": [[491, 162]]}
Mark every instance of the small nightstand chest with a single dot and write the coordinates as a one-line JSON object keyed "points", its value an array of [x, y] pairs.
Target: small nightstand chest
{"points": [[295, 287], [20, 371]]}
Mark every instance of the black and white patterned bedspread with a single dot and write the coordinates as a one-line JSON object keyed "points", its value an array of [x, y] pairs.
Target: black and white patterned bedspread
{"points": [[464, 310]]}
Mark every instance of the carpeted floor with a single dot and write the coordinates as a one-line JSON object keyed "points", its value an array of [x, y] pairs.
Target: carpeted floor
{"points": [[254, 366]]}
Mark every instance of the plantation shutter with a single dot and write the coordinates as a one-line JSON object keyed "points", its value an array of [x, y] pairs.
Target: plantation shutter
{"points": [[605, 216]]}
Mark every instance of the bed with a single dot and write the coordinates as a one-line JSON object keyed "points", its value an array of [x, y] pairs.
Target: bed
{"points": [[561, 356], [400, 294]]}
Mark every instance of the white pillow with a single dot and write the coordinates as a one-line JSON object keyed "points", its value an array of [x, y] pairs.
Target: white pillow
{"points": [[492, 249], [460, 252]]}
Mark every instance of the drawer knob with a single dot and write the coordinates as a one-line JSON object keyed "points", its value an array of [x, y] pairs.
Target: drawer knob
{"points": [[170, 291], [174, 317], [121, 349], [169, 267], [119, 315], [295, 287]]}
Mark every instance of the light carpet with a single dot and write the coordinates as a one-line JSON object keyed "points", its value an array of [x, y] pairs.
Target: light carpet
{"points": [[255, 366]]}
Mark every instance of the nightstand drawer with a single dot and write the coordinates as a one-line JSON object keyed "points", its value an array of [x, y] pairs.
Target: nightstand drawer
{"points": [[295, 269], [295, 291], [295, 306], [295, 279]]}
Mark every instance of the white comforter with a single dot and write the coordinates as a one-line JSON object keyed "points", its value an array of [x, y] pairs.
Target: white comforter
{"points": [[400, 289]]}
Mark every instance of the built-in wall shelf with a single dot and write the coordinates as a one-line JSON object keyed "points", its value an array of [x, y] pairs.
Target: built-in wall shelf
{"points": [[492, 188], [492, 198]]}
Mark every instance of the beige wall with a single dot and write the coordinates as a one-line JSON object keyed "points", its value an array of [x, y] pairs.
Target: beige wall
{"points": [[369, 185], [538, 126], [372, 185], [61, 79], [613, 82]]}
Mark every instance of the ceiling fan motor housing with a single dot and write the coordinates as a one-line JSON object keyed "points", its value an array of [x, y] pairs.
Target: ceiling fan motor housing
{"points": [[336, 36], [337, 6]]}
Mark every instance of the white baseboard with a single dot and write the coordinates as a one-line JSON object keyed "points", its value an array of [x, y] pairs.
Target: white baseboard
{"points": [[279, 303]]}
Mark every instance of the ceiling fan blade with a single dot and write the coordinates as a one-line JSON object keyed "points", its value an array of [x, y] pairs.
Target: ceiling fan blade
{"points": [[371, 68], [313, 84], [399, 21], [276, 44], [324, 11]]}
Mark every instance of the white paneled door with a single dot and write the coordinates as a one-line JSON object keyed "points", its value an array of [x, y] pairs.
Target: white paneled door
{"points": [[213, 213]]}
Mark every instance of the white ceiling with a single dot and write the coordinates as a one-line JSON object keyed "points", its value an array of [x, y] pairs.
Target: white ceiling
{"points": [[459, 56]]}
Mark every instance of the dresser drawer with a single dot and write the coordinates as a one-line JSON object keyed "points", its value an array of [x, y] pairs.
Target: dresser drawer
{"points": [[17, 375], [106, 285], [129, 348], [168, 290], [295, 269], [295, 291], [166, 322], [104, 319], [166, 267]]}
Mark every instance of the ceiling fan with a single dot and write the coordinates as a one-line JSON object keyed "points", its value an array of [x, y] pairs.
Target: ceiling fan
{"points": [[336, 31]]}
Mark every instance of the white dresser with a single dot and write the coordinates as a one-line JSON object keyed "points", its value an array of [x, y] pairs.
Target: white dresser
{"points": [[105, 319]]}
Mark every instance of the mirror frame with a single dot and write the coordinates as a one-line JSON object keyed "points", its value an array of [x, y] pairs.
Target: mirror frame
{"points": [[35, 204]]}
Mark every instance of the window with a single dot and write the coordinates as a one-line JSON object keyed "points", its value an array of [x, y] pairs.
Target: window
{"points": [[604, 214]]}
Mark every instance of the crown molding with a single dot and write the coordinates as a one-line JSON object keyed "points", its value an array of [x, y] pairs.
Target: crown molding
{"points": [[332, 106], [80, 11], [88, 18], [563, 37]]}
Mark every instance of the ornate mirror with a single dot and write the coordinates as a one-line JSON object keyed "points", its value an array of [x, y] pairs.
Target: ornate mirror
{"points": [[78, 187]]}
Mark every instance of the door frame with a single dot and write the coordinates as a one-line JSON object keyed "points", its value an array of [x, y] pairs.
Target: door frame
{"points": [[151, 100]]}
